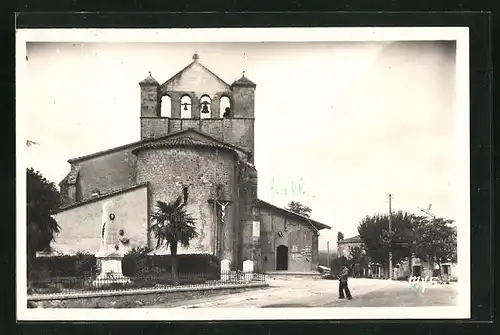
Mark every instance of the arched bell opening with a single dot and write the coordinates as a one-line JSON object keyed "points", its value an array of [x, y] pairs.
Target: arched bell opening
{"points": [[205, 107], [225, 107], [186, 107], [166, 106]]}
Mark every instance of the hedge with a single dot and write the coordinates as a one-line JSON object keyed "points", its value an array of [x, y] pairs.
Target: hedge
{"points": [[135, 263], [79, 265]]}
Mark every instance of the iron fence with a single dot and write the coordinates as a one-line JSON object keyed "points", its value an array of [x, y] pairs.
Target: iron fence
{"points": [[110, 282]]}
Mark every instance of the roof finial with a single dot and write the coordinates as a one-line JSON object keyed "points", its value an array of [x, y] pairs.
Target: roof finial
{"points": [[243, 73], [196, 56], [150, 73]]}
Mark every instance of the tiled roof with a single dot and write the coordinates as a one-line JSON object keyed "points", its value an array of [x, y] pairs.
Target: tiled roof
{"points": [[65, 180], [153, 140], [100, 197], [354, 239], [244, 81], [316, 224], [184, 141], [149, 80], [70, 178]]}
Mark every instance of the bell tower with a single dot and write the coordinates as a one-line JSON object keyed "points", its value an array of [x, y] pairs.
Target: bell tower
{"points": [[150, 107], [150, 97], [243, 97], [200, 99]]}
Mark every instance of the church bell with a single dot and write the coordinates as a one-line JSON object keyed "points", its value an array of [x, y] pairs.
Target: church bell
{"points": [[204, 110], [185, 106]]}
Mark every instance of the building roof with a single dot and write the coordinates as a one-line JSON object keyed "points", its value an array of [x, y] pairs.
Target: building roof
{"points": [[354, 239], [153, 140], [244, 81], [314, 223], [71, 177], [195, 61], [100, 197], [183, 142], [149, 80]]}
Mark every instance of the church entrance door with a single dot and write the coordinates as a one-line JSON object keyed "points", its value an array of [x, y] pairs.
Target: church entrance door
{"points": [[282, 258]]}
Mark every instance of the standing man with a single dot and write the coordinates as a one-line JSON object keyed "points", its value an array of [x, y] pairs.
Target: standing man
{"points": [[344, 273]]}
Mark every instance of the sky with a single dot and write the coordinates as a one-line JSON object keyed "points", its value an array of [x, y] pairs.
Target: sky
{"points": [[349, 121]]}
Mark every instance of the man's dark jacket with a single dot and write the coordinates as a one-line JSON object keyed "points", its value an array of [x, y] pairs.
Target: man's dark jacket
{"points": [[344, 273]]}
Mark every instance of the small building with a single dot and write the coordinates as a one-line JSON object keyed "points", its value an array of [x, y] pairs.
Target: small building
{"points": [[344, 246], [419, 267], [197, 142], [288, 241]]}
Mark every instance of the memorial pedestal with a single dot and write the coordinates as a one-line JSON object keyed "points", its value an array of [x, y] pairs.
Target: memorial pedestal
{"points": [[111, 269]]}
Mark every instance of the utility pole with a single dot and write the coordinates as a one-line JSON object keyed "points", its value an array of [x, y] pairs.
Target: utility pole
{"points": [[328, 254], [390, 237]]}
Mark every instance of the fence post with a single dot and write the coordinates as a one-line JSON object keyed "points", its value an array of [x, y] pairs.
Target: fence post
{"points": [[248, 270], [224, 270]]}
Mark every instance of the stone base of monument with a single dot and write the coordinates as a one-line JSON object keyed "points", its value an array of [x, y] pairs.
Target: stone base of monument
{"points": [[111, 269]]}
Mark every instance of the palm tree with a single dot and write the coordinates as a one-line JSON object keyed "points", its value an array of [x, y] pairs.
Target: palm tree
{"points": [[172, 225]]}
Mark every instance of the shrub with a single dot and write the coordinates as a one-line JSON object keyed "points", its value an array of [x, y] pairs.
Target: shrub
{"points": [[85, 264], [39, 275], [137, 262], [189, 263], [80, 265]]}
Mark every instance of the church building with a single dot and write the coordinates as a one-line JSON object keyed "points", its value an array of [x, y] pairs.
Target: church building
{"points": [[197, 142]]}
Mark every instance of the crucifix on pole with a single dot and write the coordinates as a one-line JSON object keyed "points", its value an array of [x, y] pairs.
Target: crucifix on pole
{"points": [[220, 207]]}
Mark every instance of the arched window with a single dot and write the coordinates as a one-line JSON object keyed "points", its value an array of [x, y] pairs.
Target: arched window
{"points": [[166, 106], [205, 107], [225, 107], [186, 107]]}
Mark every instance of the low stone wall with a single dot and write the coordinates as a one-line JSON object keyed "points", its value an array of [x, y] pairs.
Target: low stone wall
{"points": [[135, 298]]}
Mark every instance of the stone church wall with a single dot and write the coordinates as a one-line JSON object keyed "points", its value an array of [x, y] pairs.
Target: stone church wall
{"points": [[154, 127], [239, 132], [168, 170], [247, 191], [80, 226], [106, 173], [196, 79], [297, 237], [243, 102]]}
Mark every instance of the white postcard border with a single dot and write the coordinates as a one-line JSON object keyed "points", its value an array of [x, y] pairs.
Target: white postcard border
{"points": [[459, 34]]}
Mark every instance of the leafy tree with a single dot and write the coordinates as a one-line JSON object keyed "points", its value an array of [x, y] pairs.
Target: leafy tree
{"points": [[340, 236], [429, 238], [42, 199], [435, 239], [298, 208], [172, 225], [374, 231]]}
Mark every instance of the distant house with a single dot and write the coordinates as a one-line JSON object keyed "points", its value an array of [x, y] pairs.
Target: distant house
{"points": [[403, 269], [344, 246]]}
